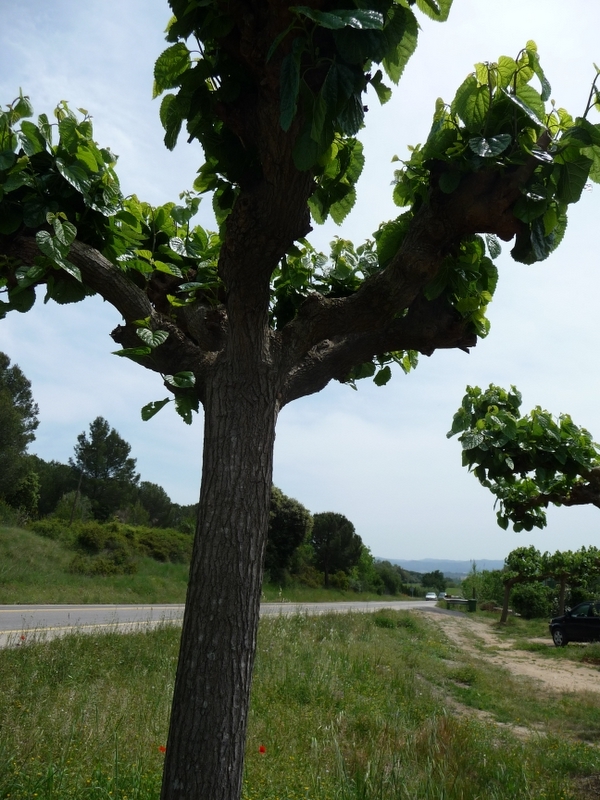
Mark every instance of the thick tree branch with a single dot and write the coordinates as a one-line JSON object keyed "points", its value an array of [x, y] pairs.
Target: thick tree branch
{"points": [[428, 326], [179, 353], [586, 492], [481, 204], [98, 274]]}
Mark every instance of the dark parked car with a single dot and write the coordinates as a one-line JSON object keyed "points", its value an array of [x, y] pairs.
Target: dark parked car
{"points": [[579, 624]]}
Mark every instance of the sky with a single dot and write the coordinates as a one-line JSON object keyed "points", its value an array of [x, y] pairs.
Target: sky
{"points": [[378, 455]]}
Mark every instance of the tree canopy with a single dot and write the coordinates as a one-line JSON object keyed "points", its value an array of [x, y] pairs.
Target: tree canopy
{"points": [[335, 542], [246, 319], [528, 461], [18, 422], [107, 472]]}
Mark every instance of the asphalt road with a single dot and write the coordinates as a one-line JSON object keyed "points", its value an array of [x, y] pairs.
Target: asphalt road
{"points": [[22, 623]]}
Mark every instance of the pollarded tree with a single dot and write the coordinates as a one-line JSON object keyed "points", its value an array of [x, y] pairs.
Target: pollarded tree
{"points": [[571, 568], [336, 544], [522, 565], [250, 319], [527, 461]]}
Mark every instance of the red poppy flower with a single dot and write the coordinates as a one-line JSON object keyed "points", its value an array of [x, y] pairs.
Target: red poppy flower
{"points": [[262, 749], [162, 748]]}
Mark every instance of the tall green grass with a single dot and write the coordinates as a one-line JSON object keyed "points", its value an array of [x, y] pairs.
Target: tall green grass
{"points": [[344, 707]]}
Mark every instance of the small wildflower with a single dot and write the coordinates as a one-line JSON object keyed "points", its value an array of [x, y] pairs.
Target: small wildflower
{"points": [[162, 748], [262, 749]]}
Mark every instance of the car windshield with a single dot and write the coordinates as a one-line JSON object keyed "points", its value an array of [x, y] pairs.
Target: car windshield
{"points": [[587, 609]]}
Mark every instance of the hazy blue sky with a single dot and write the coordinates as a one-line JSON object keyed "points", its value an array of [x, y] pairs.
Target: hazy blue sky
{"points": [[380, 456]]}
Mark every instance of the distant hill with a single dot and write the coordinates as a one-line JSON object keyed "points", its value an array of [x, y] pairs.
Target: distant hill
{"points": [[451, 569]]}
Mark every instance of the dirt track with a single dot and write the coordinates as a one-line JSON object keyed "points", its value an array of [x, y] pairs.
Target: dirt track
{"points": [[479, 640]]}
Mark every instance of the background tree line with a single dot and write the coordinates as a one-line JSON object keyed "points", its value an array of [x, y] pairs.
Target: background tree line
{"points": [[100, 484], [537, 584]]}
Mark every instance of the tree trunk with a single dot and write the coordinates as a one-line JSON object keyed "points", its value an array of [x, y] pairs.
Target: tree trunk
{"points": [[561, 595], [507, 588], [205, 749]]}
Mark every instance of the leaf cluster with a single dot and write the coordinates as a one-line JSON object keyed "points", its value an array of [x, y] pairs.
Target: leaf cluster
{"points": [[304, 270], [523, 459], [499, 118], [325, 57], [52, 188], [527, 564]]}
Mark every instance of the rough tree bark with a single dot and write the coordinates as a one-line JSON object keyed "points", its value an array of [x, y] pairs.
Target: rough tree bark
{"points": [[218, 642]]}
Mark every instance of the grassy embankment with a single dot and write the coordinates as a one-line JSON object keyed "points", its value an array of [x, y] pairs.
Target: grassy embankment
{"points": [[350, 707], [35, 569]]}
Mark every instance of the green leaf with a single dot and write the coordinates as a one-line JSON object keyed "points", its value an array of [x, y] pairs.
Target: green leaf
{"points": [[7, 159], [152, 338], [65, 231], [150, 409], [72, 270], [133, 352], [185, 404], [51, 247], [352, 116], [290, 86], [525, 107], [471, 439], [384, 92], [171, 119], [472, 103], [382, 376], [493, 245], [395, 61], [75, 175], [542, 245], [170, 64], [506, 70], [363, 19], [22, 108], [63, 290], [389, 237], [182, 380], [207, 179], [435, 9], [573, 176], [170, 269], [490, 147], [21, 299], [32, 140], [45, 128], [342, 207]]}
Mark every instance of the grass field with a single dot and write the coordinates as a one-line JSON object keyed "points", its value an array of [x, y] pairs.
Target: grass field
{"points": [[345, 707]]}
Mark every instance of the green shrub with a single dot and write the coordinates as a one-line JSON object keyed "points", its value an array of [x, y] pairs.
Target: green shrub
{"points": [[118, 562], [164, 544], [532, 600], [9, 516], [52, 528]]}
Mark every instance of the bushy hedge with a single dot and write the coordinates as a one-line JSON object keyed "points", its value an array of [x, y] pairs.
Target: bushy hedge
{"points": [[109, 548]]}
